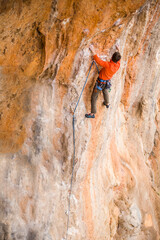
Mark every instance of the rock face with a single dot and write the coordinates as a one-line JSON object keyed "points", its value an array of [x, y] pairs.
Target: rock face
{"points": [[44, 61]]}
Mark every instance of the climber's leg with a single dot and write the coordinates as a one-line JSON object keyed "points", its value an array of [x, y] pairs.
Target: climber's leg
{"points": [[106, 97], [93, 103], [94, 99]]}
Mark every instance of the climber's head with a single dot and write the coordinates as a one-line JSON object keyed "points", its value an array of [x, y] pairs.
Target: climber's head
{"points": [[116, 57]]}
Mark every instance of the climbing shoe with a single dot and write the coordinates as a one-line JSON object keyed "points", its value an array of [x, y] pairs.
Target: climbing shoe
{"points": [[89, 115], [107, 105]]}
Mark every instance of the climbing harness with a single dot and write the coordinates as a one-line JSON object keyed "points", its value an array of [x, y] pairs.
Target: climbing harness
{"points": [[73, 164], [101, 84]]}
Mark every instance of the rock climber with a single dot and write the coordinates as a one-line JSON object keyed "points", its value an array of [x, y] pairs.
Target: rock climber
{"points": [[103, 81]]}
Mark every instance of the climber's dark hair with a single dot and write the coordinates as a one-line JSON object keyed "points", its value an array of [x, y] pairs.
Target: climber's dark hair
{"points": [[116, 57]]}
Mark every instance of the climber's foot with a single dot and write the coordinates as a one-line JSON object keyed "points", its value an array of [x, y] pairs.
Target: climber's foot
{"points": [[107, 105], [89, 115]]}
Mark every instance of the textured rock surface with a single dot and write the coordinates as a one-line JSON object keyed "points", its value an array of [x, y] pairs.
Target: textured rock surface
{"points": [[44, 59]]}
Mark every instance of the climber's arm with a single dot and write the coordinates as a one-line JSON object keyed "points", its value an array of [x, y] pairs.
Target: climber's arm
{"points": [[96, 58], [100, 61]]}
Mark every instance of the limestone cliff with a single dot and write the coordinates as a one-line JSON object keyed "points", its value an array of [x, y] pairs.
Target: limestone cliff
{"points": [[44, 61]]}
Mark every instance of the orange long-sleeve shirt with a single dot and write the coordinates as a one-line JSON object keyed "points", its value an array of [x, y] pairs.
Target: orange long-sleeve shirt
{"points": [[109, 68]]}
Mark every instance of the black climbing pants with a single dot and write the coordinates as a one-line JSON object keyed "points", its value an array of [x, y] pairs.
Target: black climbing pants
{"points": [[94, 97]]}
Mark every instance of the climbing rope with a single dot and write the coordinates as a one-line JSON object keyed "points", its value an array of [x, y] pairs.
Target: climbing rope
{"points": [[73, 164]]}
